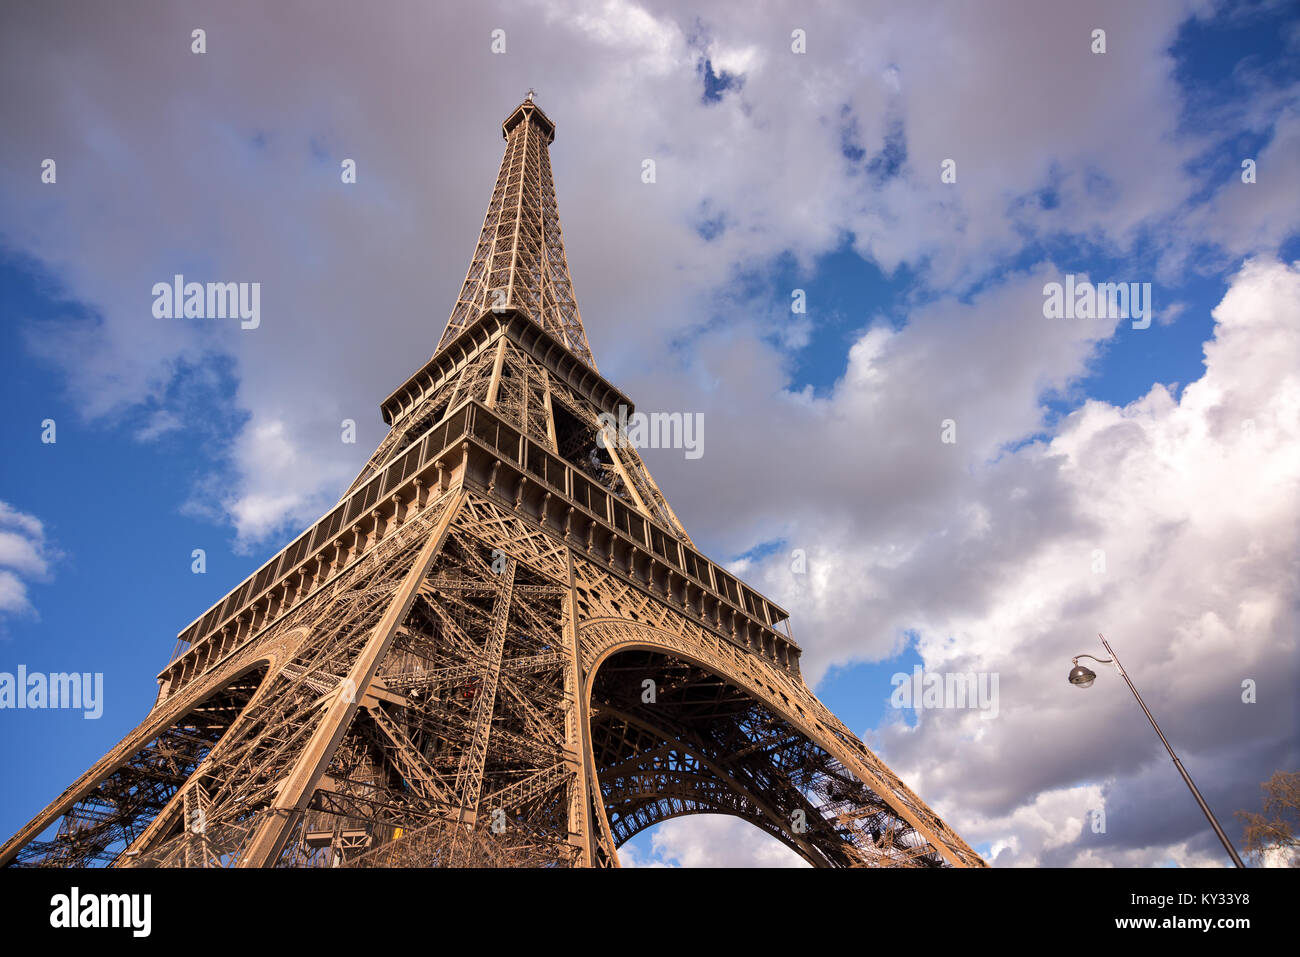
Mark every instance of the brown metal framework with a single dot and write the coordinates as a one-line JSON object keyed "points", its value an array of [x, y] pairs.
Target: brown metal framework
{"points": [[500, 648], [519, 262]]}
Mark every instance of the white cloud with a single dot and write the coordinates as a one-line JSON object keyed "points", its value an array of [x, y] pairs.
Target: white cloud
{"points": [[160, 423], [1170, 313], [275, 455], [13, 593], [710, 840], [25, 556]]}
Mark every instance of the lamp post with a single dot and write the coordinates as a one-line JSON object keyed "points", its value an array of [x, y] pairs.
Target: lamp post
{"points": [[1082, 677]]}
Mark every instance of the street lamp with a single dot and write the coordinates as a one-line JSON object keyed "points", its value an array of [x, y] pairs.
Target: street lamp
{"points": [[1082, 677]]}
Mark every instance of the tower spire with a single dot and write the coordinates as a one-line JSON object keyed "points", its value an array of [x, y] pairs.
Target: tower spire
{"points": [[519, 261]]}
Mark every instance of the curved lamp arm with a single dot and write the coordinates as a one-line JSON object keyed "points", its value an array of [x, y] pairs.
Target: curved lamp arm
{"points": [[1100, 661]]}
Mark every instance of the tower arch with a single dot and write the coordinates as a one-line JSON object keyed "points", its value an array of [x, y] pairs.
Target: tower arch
{"points": [[676, 731], [103, 814]]}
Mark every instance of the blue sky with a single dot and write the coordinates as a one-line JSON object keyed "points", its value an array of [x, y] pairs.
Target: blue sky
{"points": [[171, 440]]}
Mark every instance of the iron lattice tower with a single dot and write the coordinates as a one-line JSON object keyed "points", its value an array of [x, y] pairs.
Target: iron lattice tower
{"points": [[451, 666]]}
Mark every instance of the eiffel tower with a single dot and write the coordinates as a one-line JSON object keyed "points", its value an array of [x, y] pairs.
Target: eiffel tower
{"points": [[501, 647]]}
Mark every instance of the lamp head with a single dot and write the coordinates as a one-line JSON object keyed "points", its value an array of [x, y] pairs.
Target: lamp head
{"points": [[1082, 677]]}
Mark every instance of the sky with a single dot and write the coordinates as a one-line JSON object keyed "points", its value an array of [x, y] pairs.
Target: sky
{"points": [[923, 466]]}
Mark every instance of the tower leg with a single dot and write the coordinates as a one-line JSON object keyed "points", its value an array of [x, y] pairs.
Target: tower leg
{"points": [[269, 837]]}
